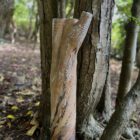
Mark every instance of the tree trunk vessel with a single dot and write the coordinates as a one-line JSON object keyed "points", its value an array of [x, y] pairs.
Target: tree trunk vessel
{"points": [[68, 35]]}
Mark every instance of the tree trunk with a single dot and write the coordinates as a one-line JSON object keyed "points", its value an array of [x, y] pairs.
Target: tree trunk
{"points": [[68, 35], [36, 29], [129, 52], [34, 35], [31, 18], [61, 8], [123, 112], [93, 63], [6, 14], [104, 105], [47, 11], [126, 101]]}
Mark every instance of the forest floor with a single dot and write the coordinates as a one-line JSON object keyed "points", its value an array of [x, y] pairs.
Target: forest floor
{"points": [[20, 89]]}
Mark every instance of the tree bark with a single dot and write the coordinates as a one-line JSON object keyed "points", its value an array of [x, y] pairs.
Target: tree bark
{"points": [[68, 35], [31, 18], [129, 52], [93, 63], [47, 11], [104, 105], [61, 8], [6, 14], [121, 116]]}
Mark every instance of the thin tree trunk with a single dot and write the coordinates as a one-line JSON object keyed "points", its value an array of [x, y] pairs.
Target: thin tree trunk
{"points": [[107, 102], [93, 63], [31, 17], [47, 11], [68, 35], [126, 101], [129, 52], [34, 35], [14, 31], [123, 112], [61, 8], [6, 14], [104, 105]]}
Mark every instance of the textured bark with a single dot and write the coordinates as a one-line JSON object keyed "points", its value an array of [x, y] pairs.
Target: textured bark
{"points": [[129, 52], [47, 11], [138, 59], [93, 62], [104, 105], [107, 102], [68, 35], [121, 116], [6, 14], [61, 8]]}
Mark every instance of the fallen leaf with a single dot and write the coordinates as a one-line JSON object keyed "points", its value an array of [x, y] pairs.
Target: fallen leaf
{"points": [[9, 124], [1, 77], [29, 113], [31, 131], [20, 99], [1, 126], [12, 117], [15, 108], [34, 121], [25, 92], [37, 103], [2, 122]]}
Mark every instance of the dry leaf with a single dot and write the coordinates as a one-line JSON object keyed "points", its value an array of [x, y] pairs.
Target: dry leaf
{"points": [[1, 77], [15, 108], [31, 131]]}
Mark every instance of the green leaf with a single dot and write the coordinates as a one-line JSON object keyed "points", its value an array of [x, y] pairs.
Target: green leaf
{"points": [[29, 113], [31, 131], [12, 117]]}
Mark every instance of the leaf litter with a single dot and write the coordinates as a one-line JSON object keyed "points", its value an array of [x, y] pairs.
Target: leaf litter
{"points": [[20, 89]]}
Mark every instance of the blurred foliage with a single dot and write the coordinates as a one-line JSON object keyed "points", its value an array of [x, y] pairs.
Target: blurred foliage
{"points": [[124, 8], [24, 11], [69, 8], [122, 14]]}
